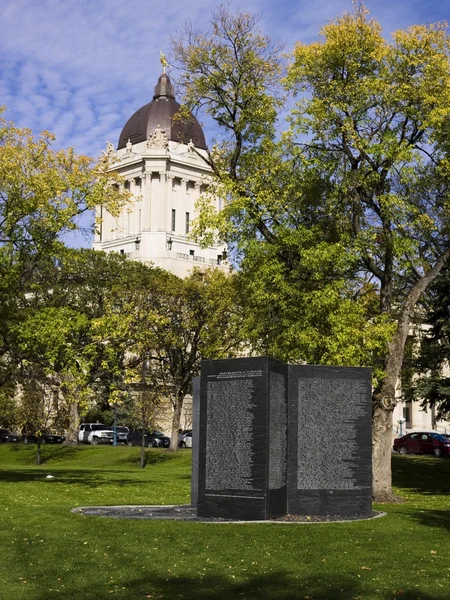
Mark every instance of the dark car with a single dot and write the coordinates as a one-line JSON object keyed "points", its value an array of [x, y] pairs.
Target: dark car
{"points": [[46, 438], [7, 436], [153, 439], [423, 442]]}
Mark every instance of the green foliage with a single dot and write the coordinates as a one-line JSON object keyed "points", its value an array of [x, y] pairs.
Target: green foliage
{"points": [[8, 408], [54, 341], [97, 415], [231, 73], [163, 326], [296, 316], [43, 194], [376, 117], [306, 296]]}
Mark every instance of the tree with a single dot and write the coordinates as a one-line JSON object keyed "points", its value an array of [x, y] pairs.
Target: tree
{"points": [[167, 325], [200, 319], [294, 263], [356, 191], [377, 119], [146, 394], [55, 337], [43, 194], [233, 75], [37, 408], [55, 353]]}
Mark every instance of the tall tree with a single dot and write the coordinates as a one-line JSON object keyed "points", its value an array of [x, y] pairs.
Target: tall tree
{"points": [[43, 194], [55, 354], [377, 118], [54, 333], [231, 73], [166, 325], [362, 173]]}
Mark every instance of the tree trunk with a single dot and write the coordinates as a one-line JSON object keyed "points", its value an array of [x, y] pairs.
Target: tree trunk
{"points": [[384, 399], [38, 450], [382, 449], [142, 461], [176, 419], [74, 425]]}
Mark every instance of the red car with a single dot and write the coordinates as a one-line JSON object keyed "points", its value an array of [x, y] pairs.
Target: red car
{"points": [[423, 442]]}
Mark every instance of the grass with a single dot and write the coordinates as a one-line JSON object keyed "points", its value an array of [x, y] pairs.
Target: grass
{"points": [[47, 552]]}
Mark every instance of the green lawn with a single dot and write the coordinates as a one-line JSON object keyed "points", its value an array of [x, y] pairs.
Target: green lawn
{"points": [[47, 552]]}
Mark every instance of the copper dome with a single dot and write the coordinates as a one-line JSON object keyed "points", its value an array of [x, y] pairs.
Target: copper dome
{"points": [[159, 114]]}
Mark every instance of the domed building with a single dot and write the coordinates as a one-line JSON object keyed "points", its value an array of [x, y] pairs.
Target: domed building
{"points": [[159, 154]]}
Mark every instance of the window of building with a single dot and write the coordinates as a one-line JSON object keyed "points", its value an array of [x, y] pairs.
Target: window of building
{"points": [[187, 222], [191, 252], [174, 213], [127, 185], [407, 414]]}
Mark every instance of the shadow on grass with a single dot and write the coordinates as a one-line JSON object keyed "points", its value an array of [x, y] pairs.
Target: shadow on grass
{"points": [[431, 518], [152, 457], [87, 478], [423, 474], [25, 454], [272, 586], [53, 453]]}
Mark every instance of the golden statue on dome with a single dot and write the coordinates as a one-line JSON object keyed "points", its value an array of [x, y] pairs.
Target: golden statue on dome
{"points": [[163, 60]]}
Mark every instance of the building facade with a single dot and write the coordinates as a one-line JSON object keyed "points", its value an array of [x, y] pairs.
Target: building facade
{"points": [[410, 415], [160, 154]]}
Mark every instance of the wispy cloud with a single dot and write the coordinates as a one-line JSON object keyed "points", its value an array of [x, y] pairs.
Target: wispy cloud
{"points": [[80, 69]]}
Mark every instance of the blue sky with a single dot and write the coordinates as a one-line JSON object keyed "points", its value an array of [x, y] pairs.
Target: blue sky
{"points": [[81, 68]]}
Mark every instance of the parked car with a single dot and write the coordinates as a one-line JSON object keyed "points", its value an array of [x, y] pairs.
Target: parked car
{"points": [[121, 433], [423, 442], [185, 439], [153, 439], [95, 433], [46, 438], [6, 436]]}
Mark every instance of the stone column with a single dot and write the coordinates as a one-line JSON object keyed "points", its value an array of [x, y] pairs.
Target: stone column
{"points": [[146, 211], [131, 209], [169, 204], [98, 224], [138, 207], [160, 202]]}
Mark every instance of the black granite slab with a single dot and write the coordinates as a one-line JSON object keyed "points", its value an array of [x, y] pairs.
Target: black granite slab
{"points": [[277, 438], [242, 439], [195, 439], [329, 441]]}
